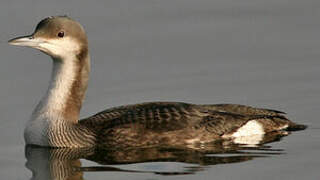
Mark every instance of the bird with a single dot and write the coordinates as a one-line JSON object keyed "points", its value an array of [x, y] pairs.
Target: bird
{"points": [[55, 120]]}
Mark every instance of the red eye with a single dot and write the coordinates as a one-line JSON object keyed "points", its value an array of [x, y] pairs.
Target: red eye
{"points": [[61, 34]]}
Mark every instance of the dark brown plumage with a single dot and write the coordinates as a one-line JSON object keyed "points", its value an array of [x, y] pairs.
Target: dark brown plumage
{"points": [[174, 123], [55, 120]]}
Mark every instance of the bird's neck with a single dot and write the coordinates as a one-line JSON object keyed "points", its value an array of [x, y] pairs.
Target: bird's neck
{"points": [[67, 88]]}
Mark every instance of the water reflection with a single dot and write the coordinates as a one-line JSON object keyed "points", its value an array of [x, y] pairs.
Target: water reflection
{"points": [[49, 163]]}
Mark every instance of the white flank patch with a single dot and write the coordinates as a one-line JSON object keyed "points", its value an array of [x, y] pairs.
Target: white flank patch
{"points": [[249, 140], [252, 127]]}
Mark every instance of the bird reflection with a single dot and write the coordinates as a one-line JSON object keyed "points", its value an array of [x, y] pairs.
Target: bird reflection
{"points": [[64, 163]]}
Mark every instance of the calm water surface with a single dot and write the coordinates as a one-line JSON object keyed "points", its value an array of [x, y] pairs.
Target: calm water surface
{"points": [[263, 53]]}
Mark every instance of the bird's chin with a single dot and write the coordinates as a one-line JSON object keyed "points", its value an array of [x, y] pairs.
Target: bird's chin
{"points": [[45, 51]]}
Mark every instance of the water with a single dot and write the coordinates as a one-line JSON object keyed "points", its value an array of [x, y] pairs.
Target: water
{"points": [[263, 53]]}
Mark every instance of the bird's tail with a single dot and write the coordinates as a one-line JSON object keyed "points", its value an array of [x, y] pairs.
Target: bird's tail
{"points": [[296, 127]]}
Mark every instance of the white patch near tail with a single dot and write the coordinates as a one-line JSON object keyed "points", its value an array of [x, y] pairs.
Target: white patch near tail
{"points": [[249, 140], [252, 127]]}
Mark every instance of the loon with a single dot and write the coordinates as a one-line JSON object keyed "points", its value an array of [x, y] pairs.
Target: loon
{"points": [[55, 120]]}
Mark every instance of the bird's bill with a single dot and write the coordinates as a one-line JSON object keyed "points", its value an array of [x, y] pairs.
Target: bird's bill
{"points": [[28, 41]]}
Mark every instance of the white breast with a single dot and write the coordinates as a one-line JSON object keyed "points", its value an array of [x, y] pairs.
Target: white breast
{"points": [[35, 132]]}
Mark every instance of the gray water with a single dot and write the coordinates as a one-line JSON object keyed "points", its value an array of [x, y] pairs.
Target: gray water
{"points": [[263, 53]]}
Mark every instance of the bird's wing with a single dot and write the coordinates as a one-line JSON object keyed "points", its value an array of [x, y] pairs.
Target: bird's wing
{"points": [[153, 115], [242, 109]]}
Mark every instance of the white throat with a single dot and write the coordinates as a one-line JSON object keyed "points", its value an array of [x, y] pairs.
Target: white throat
{"points": [[62, 77]]}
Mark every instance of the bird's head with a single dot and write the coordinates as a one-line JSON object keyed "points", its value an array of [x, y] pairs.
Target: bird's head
{"points": [[60, 37]]}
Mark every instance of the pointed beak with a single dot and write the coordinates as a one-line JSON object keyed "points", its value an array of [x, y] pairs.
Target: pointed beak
{"points": [[28, 41]]}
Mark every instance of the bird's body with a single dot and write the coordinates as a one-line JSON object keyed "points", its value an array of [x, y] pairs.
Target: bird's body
{"points": [[55, 123]]}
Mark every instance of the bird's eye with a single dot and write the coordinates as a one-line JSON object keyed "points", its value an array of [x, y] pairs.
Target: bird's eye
{"points": [[61, 34]]}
